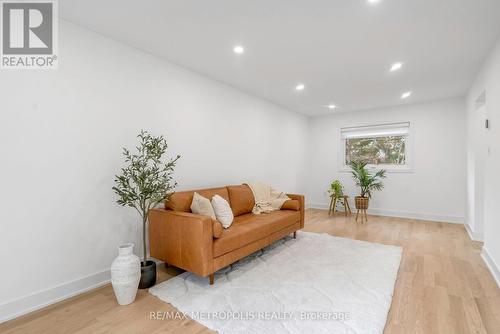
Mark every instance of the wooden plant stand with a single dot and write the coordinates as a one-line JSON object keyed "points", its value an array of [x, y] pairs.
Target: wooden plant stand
{"points": [[333, 204], [364, 216]]}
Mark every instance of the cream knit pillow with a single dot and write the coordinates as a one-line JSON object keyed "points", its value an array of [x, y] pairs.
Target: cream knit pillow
{"points": [[202, 206], [223, 211]]}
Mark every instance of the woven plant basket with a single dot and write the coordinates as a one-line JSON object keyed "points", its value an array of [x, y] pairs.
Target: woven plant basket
{"points": [[362, 202]]}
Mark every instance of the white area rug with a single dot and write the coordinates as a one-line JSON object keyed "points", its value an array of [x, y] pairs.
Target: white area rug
{"points": [[316, 283]]}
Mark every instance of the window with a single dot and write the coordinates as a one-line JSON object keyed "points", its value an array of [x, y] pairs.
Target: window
{"points": [[384, 146]]}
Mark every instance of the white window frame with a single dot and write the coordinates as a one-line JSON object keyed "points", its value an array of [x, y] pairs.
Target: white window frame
{"points": [[406, 168]]}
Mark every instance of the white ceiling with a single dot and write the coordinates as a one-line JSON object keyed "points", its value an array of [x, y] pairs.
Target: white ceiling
{"points": [[340, 49]]}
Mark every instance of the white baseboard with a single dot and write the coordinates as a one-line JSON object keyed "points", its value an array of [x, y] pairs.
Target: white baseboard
{"points": [[401, 214], [15, 308], [492, 266], [317, 206], [473, 235]]}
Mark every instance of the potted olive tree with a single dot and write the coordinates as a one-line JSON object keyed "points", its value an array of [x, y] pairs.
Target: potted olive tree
{"points": [[367, 182], [145, 181]]}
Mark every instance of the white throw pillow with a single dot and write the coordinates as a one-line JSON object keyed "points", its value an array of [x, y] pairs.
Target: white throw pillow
{"points": [[202, 206], [223, 211]]}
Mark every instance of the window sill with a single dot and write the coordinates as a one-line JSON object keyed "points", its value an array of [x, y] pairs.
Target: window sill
{"points": [[388, 169]]}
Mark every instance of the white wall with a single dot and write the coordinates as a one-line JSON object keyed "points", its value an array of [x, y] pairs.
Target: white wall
{"points": [[488, 80], [434, 190], [61, 134]]}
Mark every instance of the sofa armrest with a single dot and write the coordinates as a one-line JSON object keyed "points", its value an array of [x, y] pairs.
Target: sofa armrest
{"points": [[182, 239], [301, 200]]}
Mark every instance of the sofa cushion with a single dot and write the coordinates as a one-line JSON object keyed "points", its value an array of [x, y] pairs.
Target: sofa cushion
{"points": [[202, 206], [249, 228], [242, 199], [222, 211], [181, 201], [291, 204], [216, 228]]}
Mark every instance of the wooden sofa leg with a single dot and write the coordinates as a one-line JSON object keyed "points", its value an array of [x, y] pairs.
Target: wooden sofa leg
{"points": [[211, 279], [295, 235]]}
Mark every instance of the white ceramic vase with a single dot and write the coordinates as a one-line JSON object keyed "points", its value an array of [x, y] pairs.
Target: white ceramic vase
{"points": [[125, 274]]}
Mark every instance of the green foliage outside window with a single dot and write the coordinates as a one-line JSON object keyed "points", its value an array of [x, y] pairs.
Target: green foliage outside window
{"points": [[388, 150]]}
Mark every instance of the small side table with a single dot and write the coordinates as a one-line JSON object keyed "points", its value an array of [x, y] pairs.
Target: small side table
{"points": [[333, 204]]}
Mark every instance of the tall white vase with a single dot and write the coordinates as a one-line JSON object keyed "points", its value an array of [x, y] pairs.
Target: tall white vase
{"points": [[126, 274]]}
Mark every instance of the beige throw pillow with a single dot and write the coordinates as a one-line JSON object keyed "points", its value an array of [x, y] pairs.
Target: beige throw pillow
{"points": [[202, 206], [223, 211]]}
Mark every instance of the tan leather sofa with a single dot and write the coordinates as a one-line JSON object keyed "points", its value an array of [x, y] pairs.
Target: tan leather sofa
{"points": [[200, 245]]}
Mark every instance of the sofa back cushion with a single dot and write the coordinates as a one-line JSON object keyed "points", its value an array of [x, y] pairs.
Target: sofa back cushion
{"points": [[181, 201], [241, 199]]}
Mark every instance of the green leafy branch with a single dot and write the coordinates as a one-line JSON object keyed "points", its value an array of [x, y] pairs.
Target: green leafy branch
{"points": [[366, 181]]}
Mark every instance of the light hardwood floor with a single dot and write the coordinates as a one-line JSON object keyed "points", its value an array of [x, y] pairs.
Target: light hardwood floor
{"points": [[443, 286]]}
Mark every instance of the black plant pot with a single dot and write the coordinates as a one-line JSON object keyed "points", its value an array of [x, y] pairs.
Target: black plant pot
{"points": [[148, 275]]}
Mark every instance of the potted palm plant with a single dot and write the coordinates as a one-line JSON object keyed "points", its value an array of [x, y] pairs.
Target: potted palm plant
{"points": [[367, 182], [146, 181]]}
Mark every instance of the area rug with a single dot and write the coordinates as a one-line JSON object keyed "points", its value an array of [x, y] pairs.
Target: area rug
{"points": [[316, 283]]}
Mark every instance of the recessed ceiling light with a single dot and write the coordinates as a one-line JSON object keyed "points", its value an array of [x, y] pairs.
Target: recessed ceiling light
{"points": [[406, 95], [373, 1], [300, 87], [238, 49], [331, 106], [396, 66]]}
